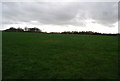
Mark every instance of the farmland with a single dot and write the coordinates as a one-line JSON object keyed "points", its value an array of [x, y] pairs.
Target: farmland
{"points": [[59, 56]]}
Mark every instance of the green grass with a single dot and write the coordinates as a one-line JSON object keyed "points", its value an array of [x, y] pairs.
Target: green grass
{"points": [[59, 56]]}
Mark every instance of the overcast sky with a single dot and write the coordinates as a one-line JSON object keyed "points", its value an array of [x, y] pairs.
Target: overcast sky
{"points": [[62, 16]]}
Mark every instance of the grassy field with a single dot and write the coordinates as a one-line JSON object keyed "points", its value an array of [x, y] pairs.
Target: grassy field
{"points": [[59, 56]]}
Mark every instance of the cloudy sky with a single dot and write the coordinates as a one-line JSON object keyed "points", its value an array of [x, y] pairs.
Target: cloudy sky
{"points": [[62, 16]]}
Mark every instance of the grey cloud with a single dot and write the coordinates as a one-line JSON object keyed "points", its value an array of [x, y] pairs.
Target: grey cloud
{"points": [[64, 13], [105, 14]]}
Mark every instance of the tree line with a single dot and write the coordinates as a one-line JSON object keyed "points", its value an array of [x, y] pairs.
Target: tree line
{"points": [[12, 29], [37, 30]]}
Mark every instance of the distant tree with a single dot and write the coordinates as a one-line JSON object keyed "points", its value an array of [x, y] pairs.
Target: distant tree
{"points": [[34, 29], [11, 29], [26, 29], [20, 30]]}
